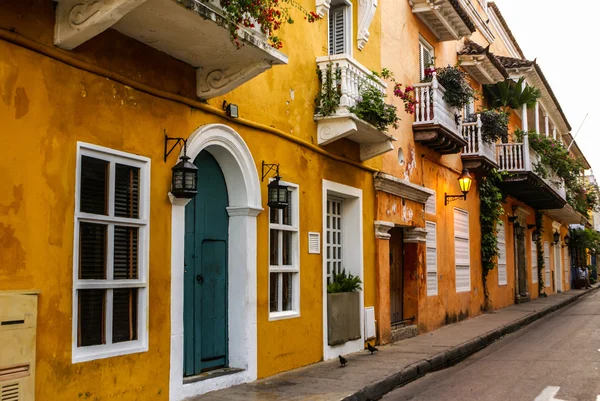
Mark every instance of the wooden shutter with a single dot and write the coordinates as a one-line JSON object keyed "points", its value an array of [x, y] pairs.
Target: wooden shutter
{"points": [[534, 263], [567, 264], [431, 259], [502, 279], [125, 301], [461, 250], [547, 264], [92, 251], [425, 57], [337, 31], [127, 191], [91, 317], [126, 253], [430, 204], [93, 193]]}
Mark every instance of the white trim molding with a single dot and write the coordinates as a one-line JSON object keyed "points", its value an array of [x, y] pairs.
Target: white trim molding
{"points": [[352, 240], [243, 188], [415, 235], [402, 188], [382, 229], [323, 7], [366, 12]]}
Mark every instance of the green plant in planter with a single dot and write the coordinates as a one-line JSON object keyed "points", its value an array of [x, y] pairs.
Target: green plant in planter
{"points": [[454, 80], [344, 283], [373, 109], [328, 98], [509, 94], [494, 126]]}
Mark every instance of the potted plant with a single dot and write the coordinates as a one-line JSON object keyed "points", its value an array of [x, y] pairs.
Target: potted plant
{"points": [[343, 308], [494, 126], [454, 80]]}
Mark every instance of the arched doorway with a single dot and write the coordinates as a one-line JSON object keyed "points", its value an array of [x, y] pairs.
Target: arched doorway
{"points": [[217, 148]]}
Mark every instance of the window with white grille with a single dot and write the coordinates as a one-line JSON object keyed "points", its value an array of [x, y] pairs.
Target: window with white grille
{"points": [[111, 253], [431, 259], [426, 56], [339, 29], [567, 264], [333, 240], [430, 204], [502, 279], [284, 259], [547, 264], [461, 250], [534, 262]]}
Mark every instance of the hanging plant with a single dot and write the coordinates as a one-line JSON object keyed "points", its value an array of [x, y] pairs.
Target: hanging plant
{"points": [[509, 94], [328, 98], [454, 80], [490, 198], [494, 126], [269, 15]]}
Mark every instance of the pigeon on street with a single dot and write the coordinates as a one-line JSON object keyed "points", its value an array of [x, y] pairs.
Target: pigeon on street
{"points": [[371, 348], [343, 361]]}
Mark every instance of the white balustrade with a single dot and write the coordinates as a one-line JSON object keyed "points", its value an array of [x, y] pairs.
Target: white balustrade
{"points": [[431, 108], [354, 77], [476, 146]]}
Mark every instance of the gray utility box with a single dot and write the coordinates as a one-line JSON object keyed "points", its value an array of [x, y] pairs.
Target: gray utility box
{"points": [[343, 317]]}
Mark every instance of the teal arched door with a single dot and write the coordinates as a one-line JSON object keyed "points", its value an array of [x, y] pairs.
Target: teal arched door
{"points": [[205, 279]]}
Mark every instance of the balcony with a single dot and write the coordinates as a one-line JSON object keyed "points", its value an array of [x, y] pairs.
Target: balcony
{"points": [[436, 123], [192, 31], [478, 156], [446, 19], [342, 123], [524, 183]]}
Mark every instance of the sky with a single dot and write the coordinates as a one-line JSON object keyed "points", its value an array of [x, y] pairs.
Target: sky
{"points": [[562, 36]]}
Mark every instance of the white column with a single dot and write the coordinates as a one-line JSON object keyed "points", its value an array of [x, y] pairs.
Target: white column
{"points": [[524, 118], [537, 117], [554, 132], [547, 125]]}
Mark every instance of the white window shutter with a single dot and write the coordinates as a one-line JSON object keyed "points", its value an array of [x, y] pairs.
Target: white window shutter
{"points": [[314, 242], [431, 259], [337, 31], [547, 264], [430, 204], [502, 278], [534, 264], [425, 56], [461, 250]]}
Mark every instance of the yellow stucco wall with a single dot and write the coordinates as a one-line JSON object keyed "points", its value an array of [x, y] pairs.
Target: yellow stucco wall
{"points": [[47, 106]]}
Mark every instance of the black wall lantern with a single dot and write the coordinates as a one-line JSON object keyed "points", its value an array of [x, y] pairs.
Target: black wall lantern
{"points": [[535, 236], [567, 239], [556, 237], [464, 181], [278, 196], [185, 173]]}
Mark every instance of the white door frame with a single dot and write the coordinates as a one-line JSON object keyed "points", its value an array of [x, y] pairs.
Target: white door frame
{"points": [[352, 240], [243, 190], [558, 260]]}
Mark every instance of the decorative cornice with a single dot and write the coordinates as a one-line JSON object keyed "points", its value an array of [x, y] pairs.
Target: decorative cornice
{"points": [[415, 235], [244, 211], [382, 228], [178, 201], [323, 7], [521, 214], [556, 225], [402, 188], [366, 12], [212, 83]]}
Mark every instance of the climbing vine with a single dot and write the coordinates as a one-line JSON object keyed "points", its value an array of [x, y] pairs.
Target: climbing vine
{"points": [[490, 197], [539, 226], [328, 98]]}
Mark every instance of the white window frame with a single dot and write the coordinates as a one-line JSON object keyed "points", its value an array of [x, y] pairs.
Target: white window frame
{"points": [[431, 204], [468, 260], [431, 265], [534, 262], [295, 267], [329, 233], [424, 45], [547, 272], [502, 262], [88, 353], [347, 5]]}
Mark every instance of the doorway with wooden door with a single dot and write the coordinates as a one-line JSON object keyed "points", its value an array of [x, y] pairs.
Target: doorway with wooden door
{"points": [[397, 278]]}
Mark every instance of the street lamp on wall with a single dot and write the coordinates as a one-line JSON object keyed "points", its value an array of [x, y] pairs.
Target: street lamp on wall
{"points": [[566, 240], [464, 181], [278, 196], [535, 236], [556, 237], [185, 174]]}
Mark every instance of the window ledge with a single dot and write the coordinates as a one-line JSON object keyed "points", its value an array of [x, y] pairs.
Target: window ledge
{"points": [[283, 315], [84, 354]]}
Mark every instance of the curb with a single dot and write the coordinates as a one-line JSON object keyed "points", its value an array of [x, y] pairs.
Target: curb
{"points": [[453, 355]]}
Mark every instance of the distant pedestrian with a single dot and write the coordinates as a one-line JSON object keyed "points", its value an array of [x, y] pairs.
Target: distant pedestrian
{"points": [[585, 276]]}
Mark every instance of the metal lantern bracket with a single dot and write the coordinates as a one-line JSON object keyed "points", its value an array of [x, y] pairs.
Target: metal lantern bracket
{"points": [[270, 167], [450, 198], [178, 141]]}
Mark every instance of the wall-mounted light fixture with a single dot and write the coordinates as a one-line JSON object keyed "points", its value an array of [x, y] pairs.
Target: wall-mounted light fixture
{"points": [[464, 181], [566, 240], [556, 237], [535, 236], [231, 109], [518, 230], [185, 174], [278, 196]]}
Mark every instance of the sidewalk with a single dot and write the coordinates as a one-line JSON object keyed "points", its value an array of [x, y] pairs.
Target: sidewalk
{"points": [[367, 377]]}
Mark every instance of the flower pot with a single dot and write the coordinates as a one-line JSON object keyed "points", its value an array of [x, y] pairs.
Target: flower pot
{"points": [[343, 317]]}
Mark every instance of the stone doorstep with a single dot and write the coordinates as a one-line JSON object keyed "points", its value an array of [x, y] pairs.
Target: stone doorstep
{"points": [[402, 333]]}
